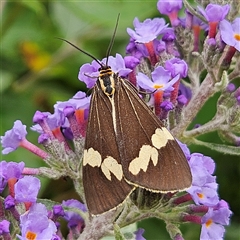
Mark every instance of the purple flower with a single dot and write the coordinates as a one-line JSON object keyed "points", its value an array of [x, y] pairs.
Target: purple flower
{"points": [[10, 170], [230, 33], [204, 186], [131, 62], [177, 66], [13, 138], [182, 100], [171, 9], [139, 234], [148, 30], [78, 101], [136, 49], [26, 189], [213, 221], [89, 72], [58, 210], [9, 202], [168, 35], [167, 105], [214, 12], [161, 80], [40, 116], [35, 224], [206, 195], [167, 7], [4, 227], [222, 208], [231, 87], [49, 121], [184, 90], [185, 149], [73, 218]]}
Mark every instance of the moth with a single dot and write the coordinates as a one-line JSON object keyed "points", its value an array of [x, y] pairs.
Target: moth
{"points": [[126, 145]]}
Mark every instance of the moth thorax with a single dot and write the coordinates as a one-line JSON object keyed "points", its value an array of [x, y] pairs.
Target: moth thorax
{"points": [[107, 83]]}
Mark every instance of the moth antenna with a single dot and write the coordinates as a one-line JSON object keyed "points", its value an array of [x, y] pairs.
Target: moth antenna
{"points": [[112, 40], [86, 53]]}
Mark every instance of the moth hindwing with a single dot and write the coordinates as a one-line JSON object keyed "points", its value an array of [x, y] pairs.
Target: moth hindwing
{"points": [[126, 147]]}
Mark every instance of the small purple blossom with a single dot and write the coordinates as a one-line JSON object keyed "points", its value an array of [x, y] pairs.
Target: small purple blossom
{"points": [[230, 33], [184, 90], [168, 35], [43, 138], [10, 170], [182, 100], [137, 50], [49, 121], [89, 72], [35, 224], [4, 227], [215, 12], [131, 62], [58, 210], [9, 202], [26, 189], [79, 101], [185, 149], [139, 234], [40, 116], [206, 195], [171, 9], [167, 7], [231, 87], [177, 66], [161, 80], [214, 220], [13, 138], [148, 30], [73, 218], [167, 105], [204, 186]]}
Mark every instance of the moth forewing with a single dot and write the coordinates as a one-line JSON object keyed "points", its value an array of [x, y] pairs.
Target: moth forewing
{"points": [[150, 156], [104, 184]]}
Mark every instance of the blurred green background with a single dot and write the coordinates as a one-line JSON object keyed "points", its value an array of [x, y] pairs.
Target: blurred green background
{"points": [[37, 70]]}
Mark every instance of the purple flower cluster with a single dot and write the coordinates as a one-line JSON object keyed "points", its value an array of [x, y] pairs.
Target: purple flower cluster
{"points": [[36, 222], [204, 192], [153, 65]]}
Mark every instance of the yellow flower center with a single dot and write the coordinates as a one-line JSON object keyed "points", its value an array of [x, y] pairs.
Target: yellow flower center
{"points": [[200, 195], [158, 86], [31, 235], [237, 37], [209, 222]]}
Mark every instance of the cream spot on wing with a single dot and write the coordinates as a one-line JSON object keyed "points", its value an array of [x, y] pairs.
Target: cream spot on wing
{"points": [[146, 154], [106, 172], [92, 157], [111, 165], [161, 137], [154, 156]]}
